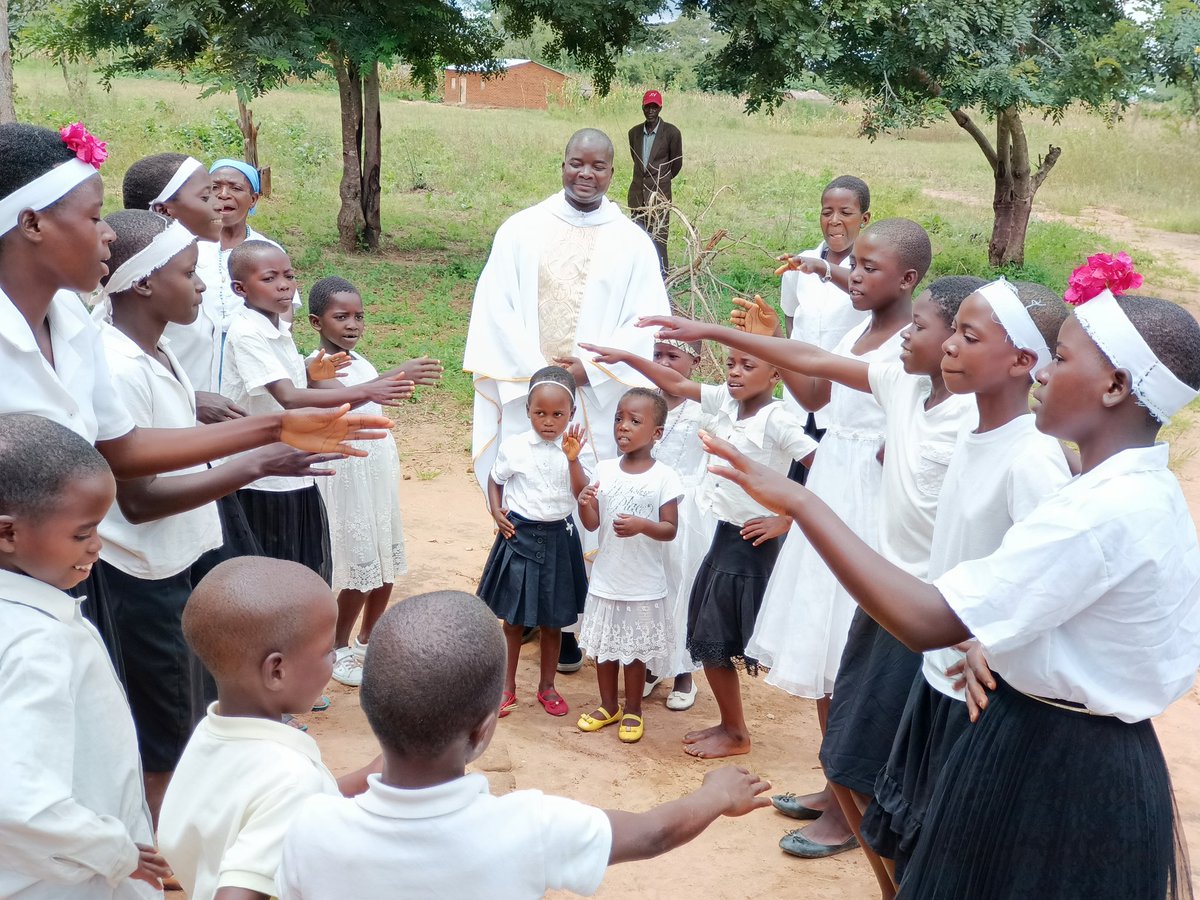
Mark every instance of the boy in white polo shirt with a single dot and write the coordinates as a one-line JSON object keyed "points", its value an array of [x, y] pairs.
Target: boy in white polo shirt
{"points": [[73, 820], [424, 828], [264, 629]]}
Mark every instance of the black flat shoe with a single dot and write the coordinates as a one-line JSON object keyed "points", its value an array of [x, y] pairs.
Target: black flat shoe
{"points": [[790, 806], [796, 844]]}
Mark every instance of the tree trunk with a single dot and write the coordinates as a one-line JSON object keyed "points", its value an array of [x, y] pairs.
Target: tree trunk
{"points": [[351, 222], [249, 131], [372, 156], [1016, 181], [8, 112]]}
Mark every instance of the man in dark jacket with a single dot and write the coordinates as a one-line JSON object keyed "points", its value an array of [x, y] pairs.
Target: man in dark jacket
{"points": [[657, 150]]}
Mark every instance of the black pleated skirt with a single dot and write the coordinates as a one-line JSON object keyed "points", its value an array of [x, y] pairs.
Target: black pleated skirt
{"points": [[869, 694], [726, 597], [1038, 801], [290, 525], [537, 577], [931, 725]]}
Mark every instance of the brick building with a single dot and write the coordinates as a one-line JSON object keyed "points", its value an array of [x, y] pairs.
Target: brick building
{"points": [[523, 84]]}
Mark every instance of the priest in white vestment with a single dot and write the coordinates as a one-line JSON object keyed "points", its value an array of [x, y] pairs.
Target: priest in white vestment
{"points": [[571, 269]]}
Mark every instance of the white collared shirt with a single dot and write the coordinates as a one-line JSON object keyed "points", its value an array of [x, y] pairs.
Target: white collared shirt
{"points": [[821, 314], [238, 786], [536, 478], [1094, 597], [156, 397], [73, 806], [450, 840], [258, 353], [772, 436], [76, 391]]}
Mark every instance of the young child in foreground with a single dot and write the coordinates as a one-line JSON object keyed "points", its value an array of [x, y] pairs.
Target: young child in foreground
{"points": [[732, 578], [264, 629], [362, 497], [1089, 612], [634, 504], [534, 575], [74, 820], [425, 828]]}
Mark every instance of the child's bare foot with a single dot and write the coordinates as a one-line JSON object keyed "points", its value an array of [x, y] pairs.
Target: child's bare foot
{"points": [[720, 744], [692, 736]]}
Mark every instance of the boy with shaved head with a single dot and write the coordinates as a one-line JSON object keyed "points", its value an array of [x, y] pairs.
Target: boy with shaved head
{"points": [[425, 828], [264, 629]]}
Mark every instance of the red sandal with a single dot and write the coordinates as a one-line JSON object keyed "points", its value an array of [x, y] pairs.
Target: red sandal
{"points": [[508, 702], [553, 702]]}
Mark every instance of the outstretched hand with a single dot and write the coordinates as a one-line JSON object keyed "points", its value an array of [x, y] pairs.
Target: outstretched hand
{"points": [[608, 356], [574, 365], [975, 676], [754, 316], [288, 462], [329, 430], [808, 265], [742, 791], [675, 328], [770, 488], [423, 370], [573, 441], [324, 367]]}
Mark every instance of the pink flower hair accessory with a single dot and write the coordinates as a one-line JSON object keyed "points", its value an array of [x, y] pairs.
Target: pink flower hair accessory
{"points": [[84, 144], [1101, 272]]}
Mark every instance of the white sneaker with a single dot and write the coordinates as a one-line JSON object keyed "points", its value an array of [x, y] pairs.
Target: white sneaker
{"points": [[347, 667]]}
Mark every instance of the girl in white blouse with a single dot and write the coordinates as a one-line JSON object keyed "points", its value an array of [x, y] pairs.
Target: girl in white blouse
{"points": [[733, 576], [1089, 614]]}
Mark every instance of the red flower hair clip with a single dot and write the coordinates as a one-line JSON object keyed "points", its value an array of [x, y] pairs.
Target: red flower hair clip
{"points": [[1100, 272], [84, 143]]}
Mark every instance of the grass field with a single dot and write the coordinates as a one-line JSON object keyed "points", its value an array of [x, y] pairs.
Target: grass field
{"points": [[452, 176]]}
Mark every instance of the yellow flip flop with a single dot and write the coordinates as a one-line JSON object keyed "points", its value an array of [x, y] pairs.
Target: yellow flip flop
{"points": [[588, 722], [631, 735]]}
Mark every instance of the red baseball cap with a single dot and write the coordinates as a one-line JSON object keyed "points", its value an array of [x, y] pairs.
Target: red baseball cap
{"points": [[652, 97]]}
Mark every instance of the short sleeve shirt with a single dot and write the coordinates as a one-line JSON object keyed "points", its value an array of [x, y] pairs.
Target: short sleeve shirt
{"points": [[237, 787], [772, 436], [1094, 597], [449, 840], [258, 353], [631, 568], [536, 478], [76, 391]]}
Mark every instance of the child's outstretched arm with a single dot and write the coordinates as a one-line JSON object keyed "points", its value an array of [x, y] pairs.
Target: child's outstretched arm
{"points": [[665, 379], [152, 451], [387, 390], [911, 609], [728, 791], [784, 353]]}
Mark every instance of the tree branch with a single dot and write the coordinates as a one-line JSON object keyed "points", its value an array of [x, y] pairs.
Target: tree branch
{"points": [[1045, 164], [965, 122]]}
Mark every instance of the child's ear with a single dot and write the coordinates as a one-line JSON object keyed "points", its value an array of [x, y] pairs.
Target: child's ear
{"points": [[238, 288], [1120, 387], [481, 736], [866, 219], [142, 287], [910, 279], [315, 322], [658, 433], [8, 534], [1024, 364], [271, 671]]}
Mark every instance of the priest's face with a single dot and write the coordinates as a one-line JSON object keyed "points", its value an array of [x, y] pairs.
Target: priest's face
{"points": [[587, 172]]}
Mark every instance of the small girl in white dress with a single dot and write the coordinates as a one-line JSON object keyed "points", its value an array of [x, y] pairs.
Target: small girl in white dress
{"points": [[362, 499], [634, 504]]}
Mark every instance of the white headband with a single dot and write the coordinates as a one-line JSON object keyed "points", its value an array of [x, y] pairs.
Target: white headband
{"points": [[160, 251], [182, 174], [1153, 383], [43, 190], [1015, 319], [538, 384]]}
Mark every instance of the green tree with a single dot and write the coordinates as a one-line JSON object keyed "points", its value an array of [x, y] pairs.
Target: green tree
{"points": [[253, 46], [1175, 49], [912, 63]]}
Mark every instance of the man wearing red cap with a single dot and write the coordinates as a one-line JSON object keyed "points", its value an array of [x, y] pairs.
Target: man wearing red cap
{"points": [[657, 150]]}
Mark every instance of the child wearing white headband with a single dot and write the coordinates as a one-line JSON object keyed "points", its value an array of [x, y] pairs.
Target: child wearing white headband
{"points": [[1090, 615], [534, 576]]}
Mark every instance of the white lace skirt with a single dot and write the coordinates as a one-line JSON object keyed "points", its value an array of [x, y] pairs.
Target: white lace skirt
{"points": [[625, 631]]}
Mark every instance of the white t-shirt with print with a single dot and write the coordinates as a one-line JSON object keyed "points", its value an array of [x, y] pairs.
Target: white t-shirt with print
{"points": [[631, 568]]}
